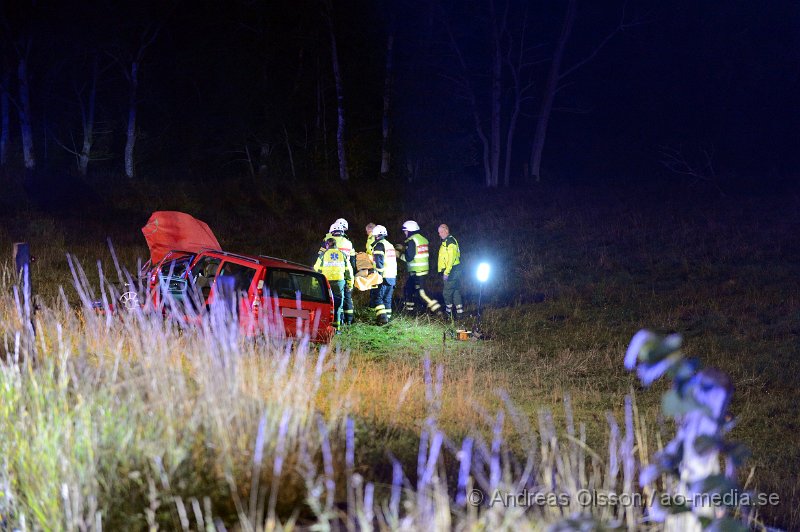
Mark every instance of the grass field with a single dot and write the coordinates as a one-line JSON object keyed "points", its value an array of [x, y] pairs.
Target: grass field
{"points": [[145, 427]]}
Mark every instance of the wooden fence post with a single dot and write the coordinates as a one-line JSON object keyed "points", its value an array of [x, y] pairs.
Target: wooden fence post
{"points": [[22, 257], [22, 264]]}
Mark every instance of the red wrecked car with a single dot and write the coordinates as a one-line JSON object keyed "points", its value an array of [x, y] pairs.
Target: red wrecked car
{"points": [[187, 272], [266, 293], [174, 239]]}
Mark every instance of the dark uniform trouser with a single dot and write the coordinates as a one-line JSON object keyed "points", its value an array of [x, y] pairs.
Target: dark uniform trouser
{"points": [[415, 289], [452, 292], [383, 308], [374, 294], [347, 306], [337, 287]]}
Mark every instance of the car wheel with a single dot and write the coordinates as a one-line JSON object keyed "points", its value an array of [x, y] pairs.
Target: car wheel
{"points": [[129, 300]]}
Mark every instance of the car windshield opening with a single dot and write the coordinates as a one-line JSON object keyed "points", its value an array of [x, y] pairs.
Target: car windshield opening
{"points": [[177, 267]]}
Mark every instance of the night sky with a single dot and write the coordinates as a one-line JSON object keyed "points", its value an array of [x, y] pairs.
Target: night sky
{"points": [[221, 79]]}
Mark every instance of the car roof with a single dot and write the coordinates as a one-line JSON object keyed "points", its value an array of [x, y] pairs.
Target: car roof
{"points": [[263, 260]]}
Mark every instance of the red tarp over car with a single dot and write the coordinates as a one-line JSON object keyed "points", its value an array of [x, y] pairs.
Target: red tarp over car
{"points": [[168, 230]]}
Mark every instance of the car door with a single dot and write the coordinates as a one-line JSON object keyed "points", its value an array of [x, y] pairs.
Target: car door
{"points": [[302, 299], [202, 276], [236, 279]]}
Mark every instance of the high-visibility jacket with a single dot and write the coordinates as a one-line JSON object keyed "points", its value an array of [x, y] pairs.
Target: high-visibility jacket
{"points": [[335, 266], [344, 245], [449, 255], [370, 243], [416, 254], [342, 242], [385, 259]]}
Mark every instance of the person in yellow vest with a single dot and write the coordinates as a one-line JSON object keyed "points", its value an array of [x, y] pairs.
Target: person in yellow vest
{"points": [[385, 259], [337, 232], [370, 238], [373, 292], [416, 257], [335, 266], [449, 265]]}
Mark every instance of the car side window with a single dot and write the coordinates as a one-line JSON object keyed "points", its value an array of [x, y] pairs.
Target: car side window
{"points": [[286, 284], [204, 272], [281, 285], [243, 275]]}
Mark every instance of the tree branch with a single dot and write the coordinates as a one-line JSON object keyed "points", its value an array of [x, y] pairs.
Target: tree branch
{"points": [[622, 26]]}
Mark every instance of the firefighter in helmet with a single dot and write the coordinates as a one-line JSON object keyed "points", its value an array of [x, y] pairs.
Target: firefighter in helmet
{"points": [[385, 259], [337, 232], [416, 257], [334, 264]]}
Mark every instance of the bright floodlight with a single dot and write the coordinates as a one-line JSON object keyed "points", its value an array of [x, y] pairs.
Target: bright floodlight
{"points": [[483, 272]]}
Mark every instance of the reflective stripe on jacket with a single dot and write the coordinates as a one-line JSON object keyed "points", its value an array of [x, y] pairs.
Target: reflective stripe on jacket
{"points": [[449, 255], [385, 258], [334, 265], [418, 262], [342, 243]]}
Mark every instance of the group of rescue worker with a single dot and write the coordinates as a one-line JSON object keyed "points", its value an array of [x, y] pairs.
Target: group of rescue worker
{"points": [[338, 260]]}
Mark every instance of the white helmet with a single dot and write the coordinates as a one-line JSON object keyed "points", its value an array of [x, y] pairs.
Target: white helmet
{"points": [[337, 226], [410, 225], [379, 231], [343, 223]]}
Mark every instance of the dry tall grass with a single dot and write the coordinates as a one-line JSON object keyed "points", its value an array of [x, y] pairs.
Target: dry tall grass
{"points": [[128, 421]]}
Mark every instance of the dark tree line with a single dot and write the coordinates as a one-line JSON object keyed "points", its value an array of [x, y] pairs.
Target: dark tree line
{"points": [[270, 88], [416, 89]]}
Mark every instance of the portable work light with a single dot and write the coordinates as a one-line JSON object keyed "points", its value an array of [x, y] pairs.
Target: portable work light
{"points": [[482, 274]]}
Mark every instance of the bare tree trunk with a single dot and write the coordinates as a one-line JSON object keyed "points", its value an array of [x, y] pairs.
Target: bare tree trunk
{"points": [[24, 110], [487, 166], [249, 161], [321, 123], [5, 117], [412, 166], [337, 76], [130, 142], [387, 87], [318, 121], [496, 103], [512, 126], [516, 67], [550, 91], [289, 149], [148, 36], [264, 154], [87, 120]]}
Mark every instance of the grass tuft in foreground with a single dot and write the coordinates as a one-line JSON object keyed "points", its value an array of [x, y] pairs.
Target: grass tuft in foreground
{"points": [[130, 421]]}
